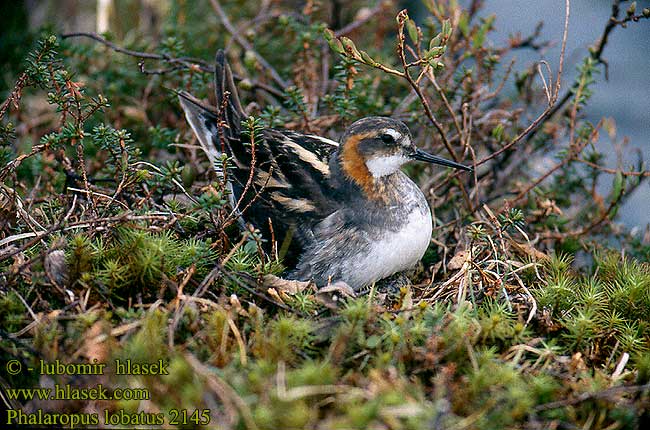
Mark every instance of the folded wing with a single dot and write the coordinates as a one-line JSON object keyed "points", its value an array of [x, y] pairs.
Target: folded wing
{"points": [[284, 174]]}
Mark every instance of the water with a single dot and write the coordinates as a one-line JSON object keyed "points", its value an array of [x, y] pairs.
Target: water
{"points": [[625, 97]]}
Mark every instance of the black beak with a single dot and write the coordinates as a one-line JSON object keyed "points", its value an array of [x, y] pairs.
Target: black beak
{"points": [[424, 156]]}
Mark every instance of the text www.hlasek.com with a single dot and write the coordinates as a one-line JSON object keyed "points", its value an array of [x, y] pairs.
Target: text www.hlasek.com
{"points": [[66, 392]]}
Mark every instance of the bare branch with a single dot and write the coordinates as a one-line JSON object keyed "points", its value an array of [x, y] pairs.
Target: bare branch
{"points": [[188, 63], [245, 44]]}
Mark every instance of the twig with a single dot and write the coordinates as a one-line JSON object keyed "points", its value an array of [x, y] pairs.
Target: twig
{"points": [[612, 23], [39, 236], [425, 103], [186, 61], [586, 229], [547, 90], [84, 175], [605, 394], [14, 96], [443, 97], [171, 329], [565, 34], [124, 217], [573, 153], [246, 45], [358, 23], [641, 173], [225, 392], [89, 193], [189, 63], [550, 109], [174, 181], [235, 210], [234, 249], [257, 195], [254, 292], [16, 92], [596, 53], [502, 83], [530, 41]]}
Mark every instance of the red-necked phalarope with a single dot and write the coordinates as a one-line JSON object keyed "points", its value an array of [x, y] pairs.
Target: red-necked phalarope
{"points": [[345, 211]]}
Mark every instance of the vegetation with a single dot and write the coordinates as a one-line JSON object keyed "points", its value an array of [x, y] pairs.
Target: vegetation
{"points": [[531, 308]]}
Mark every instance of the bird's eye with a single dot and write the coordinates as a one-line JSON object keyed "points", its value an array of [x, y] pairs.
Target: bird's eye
{"points": [[387, 138]]}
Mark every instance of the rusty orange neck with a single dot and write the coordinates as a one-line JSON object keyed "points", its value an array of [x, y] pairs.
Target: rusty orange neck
{"points": [[354, 166]]}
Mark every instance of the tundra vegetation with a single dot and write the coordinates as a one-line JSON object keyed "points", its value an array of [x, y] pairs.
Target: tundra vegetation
{"points": [[531, 308]]}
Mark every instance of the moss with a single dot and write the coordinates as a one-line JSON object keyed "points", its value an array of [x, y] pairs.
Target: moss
{"points": [[12, 312], [603, 313], [158, 268]]}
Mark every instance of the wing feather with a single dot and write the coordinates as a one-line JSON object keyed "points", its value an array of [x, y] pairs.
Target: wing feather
{"points": [[291, 185]]}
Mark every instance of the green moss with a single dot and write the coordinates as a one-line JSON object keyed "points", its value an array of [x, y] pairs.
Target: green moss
{"points": [[156, 268], [601, 313], [12, 312]]}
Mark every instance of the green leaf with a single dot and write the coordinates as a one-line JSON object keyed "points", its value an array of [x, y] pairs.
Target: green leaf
{"points": [[437, 65], [497, 132], [413, 31], [435, 52], [333, 42], [479, 37], [446, 29], [618, 186], [350, 49], [367, 59], [632, 9], [463, 24], [435, 42]]}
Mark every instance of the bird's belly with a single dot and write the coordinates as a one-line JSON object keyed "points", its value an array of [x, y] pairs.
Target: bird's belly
{"points": [[394, 251]]}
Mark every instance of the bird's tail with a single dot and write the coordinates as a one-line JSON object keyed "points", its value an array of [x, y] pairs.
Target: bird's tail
{"points": [[227, 98], [217, 128]]}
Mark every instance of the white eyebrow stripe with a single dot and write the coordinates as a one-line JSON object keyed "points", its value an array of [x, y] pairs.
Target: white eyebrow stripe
{"points": [[405, 140], [394, 133]]}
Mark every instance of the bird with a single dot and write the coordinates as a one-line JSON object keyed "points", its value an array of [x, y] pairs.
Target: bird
{"points": [[343, 211]]}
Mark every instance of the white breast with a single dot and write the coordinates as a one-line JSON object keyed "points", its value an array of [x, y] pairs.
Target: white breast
{"points": [[395, 251]]}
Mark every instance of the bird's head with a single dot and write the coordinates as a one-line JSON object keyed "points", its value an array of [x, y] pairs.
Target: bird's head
{"points": [[375, 147]]}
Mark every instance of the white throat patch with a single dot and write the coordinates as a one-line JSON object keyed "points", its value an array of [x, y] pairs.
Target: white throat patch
{"points": [[382, 166]]}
